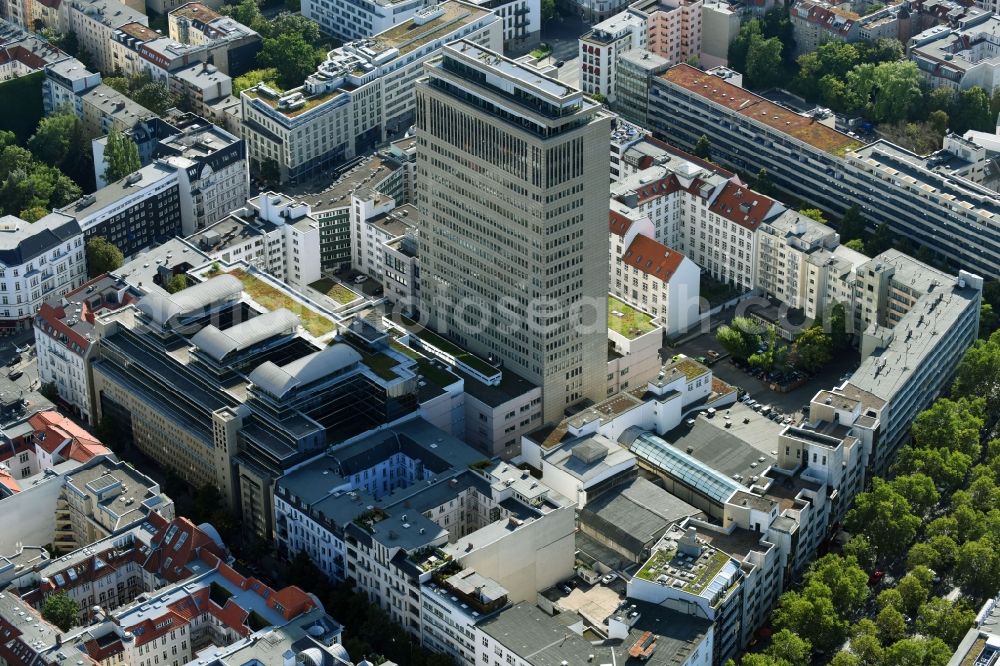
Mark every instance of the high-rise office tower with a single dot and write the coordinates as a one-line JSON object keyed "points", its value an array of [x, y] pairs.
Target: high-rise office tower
{"points": [[512, 191]]}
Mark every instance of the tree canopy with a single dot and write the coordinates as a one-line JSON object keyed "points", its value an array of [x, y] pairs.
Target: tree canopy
{"points": [[61, 610], [121, 156], [102, 256]]}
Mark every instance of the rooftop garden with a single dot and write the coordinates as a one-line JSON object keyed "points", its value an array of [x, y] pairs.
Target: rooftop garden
{"points": [[273, 298], [450, 348], [429, 558], [381, 364], [626, 320], [691, 368], [366, 520], [310, 102], [434, 374], [335, 290], [702, 577]]}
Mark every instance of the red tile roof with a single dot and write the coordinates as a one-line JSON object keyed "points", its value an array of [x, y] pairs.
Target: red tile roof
{"points": [[9, 481], [53, 433], [745, 103], [652, 257], [742, 206], [618, 223]]}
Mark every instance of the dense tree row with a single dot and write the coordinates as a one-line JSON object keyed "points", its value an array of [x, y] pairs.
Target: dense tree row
{"points": [[936, 519]]}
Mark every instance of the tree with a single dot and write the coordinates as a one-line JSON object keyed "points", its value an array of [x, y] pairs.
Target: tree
{"points": [[813, 214], [847, 582], [810, 614], [972, 111], [913, 593], [889, 598], [917, 652], [845, 658], [880, 241], [923, 554], [839, 331], [891, 625], [270, 171], [740, 46], [788, 648], [764, 64], [852, 224], [762, 183], [951, 424], [246, 12], [121, 156], [548, 9], [176, 283], [51, 140], [703, 148], [867, 647], [61, 610], [49, 391], [268, 77], [938, 121], [977, 568], [856, 244], [884, 516], [989, 320], [947, 468], [978, 375], [813, 349], [943, 619], [919, 491], [102, 256], [291, 55], [741, 338], [860, 548], [897, 91]]}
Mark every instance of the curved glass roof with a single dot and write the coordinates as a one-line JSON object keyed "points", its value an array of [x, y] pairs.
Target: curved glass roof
{"points": [[683, 467]]}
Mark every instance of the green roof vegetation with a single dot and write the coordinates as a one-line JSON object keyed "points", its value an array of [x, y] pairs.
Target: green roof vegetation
{"points": [[335, 290], [273, 298], [661, 558], [380, 364], [434, 374], [628, 321], [448, 347]]}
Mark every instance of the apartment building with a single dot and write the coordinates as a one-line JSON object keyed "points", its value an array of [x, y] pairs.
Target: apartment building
{"points": [[522, 22], [64, 338], [42, 442], [64, 84], [973, 156], [197, 24], [138, 211], [467, 191], [961, 54], [210, 162], [387, 173], [651, 276], [375, 221], [360, 96], [193, 603], [830, 170], [77, 504], [601, 48], [525, 635], [671, 29], [433, 514], [253, 395], [37, 260], [102, 108], [94, 23], [979, 645], [22, 53], [815, 22], [272, 233], [110, 573], [916, 324], [720, 25]]}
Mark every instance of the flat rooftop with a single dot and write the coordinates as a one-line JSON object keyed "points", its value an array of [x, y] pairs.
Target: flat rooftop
{"points": [[369, 173], [517, 73], [755, 107], [408, 36], [113, 193]]}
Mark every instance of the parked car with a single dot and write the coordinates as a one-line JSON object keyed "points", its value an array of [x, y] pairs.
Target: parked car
{"points": [[607, 579], [14, 361], [876, 577], [360, 279], [17, 374]]}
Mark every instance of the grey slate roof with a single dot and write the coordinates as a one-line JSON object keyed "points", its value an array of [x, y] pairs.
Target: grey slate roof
{"points": [[31, 240]]}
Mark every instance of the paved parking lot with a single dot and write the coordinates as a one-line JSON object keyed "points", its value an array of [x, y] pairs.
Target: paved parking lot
{"points": [[787, 403]]}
